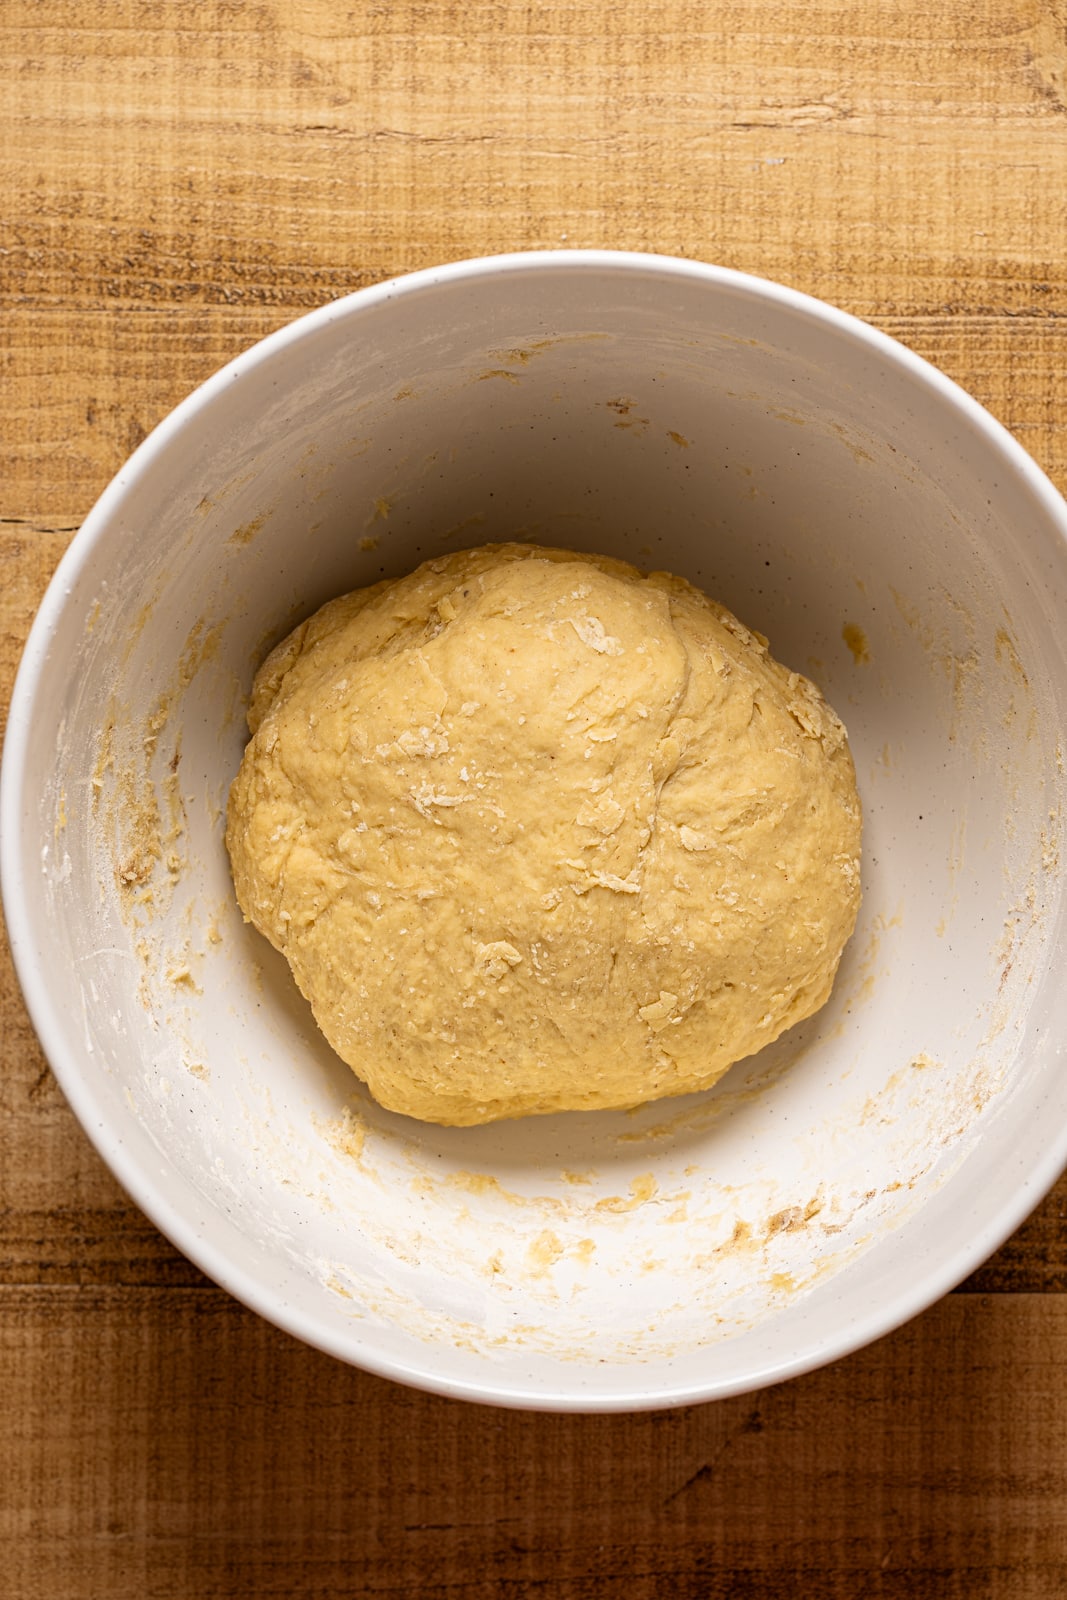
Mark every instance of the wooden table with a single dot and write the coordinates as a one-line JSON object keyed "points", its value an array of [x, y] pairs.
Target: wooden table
{"points": [[179, 178]]}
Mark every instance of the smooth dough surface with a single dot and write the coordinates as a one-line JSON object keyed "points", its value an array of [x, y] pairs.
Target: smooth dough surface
{"points": [[538, 832]]}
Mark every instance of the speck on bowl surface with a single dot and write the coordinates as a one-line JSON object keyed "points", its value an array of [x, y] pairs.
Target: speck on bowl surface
{"points": [[839, 495]]}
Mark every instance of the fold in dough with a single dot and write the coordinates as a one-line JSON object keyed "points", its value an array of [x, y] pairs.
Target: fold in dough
{"points": [[538, 832]]}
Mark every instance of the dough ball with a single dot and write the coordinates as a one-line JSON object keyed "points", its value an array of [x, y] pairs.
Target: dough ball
{"points": [[538, 832]]}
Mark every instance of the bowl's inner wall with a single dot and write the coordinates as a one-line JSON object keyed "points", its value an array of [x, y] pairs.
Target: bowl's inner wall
{"points": [[836, 504]]}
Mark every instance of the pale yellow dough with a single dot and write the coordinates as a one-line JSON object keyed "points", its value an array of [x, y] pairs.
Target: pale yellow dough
{"points": [[537, 832]]}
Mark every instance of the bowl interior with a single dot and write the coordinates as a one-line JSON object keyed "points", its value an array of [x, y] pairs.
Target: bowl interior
{"points": [[888, 541]]}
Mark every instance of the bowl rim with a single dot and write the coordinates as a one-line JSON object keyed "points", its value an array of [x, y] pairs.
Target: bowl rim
{"points": [[635, 1390]]}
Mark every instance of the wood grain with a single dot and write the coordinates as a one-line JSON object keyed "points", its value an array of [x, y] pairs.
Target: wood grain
{"points": [[202, 1452], [179, 178]]}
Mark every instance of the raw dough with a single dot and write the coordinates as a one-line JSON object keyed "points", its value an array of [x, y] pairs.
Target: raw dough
{"points": [[537, 832]]}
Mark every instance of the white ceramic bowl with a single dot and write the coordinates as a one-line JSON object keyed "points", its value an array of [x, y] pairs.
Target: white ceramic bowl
{"points": [[842, 497]]}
